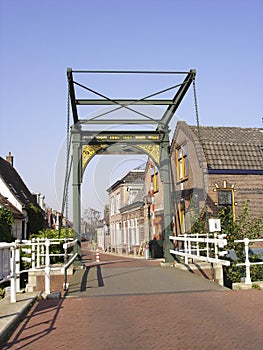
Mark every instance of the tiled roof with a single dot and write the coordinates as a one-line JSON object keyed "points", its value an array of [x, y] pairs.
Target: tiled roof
{"points": [[6, 204], [232, 147], [135, 176], [15, 183]]}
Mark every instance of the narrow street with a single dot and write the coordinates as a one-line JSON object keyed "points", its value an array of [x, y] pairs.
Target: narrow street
{"points": [[126, 303]]}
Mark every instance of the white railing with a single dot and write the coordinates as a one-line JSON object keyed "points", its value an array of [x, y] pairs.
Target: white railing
{"points": [[39, 251], [8, 266], [247, 262], [191, 247], [67, 264]]}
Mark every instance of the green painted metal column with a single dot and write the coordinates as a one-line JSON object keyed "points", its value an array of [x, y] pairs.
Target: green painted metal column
{"points": [[165, 173], [76, 183]]}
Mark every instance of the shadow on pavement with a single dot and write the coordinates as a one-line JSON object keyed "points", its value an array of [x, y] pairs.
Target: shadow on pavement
{"points": [[45, 312]]}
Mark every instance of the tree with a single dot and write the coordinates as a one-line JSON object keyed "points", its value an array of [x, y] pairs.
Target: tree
{"points": [[6, 222], [36, 219], [91, 217]]}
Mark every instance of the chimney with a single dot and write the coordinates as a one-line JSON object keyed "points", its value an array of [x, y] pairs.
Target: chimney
{"points": [[10, 159]]}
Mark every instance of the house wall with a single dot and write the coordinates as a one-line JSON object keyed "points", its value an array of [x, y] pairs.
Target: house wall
{"points": [[5, 191], [247, 187], [199, 183], [192, 189], [100, 237], [133, 229], [156, 224]]}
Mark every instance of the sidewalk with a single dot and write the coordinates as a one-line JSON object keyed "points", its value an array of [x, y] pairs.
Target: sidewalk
{"points": [[13, 313]]}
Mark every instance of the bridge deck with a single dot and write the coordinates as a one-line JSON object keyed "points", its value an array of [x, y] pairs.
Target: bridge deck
{"points": [[124, 276]]}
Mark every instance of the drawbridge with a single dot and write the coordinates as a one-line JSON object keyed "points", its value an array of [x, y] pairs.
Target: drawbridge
{"points": [[121, 128]]}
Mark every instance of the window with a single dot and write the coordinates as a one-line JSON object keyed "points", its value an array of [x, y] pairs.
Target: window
{"points": [[118, 202], [225, 200], [181, 163], [154, 179], [226, 197], [112, 209], [118, 233]]}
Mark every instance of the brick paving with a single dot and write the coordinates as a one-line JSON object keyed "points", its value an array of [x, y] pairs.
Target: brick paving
{"points": [[178, 319], [199, 320]]}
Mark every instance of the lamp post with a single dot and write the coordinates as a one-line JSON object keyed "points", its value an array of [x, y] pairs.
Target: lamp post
{"points": [[148, 202]]}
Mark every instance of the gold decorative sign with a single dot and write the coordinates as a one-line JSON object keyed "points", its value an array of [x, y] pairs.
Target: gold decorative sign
{"points": [[88, 152], [135, 137], [152, 150]]}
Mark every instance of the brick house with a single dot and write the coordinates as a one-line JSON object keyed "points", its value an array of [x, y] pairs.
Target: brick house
{"points": [[154, 194], [126, 211], [215, 167], [211, 168]]}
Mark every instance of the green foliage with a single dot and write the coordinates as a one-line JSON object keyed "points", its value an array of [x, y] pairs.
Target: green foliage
{"points": [[200, 222], [52, 234], [6, 222], [245, 226], [256, 286], [56, 248], [2, 293], [36, 219]]}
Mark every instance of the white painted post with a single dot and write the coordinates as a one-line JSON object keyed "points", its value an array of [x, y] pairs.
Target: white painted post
{"points": [[207, 246], [42, 253], [38, 254], [197, 246], [13, 275], [17, 268], [47, 267], [216, 246], [146, 251], [185, 249], [33, 253], [247, 262]]}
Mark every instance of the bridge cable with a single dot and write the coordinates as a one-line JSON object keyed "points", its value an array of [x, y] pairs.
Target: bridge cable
{"points": [[201, 148], [67, 167]]}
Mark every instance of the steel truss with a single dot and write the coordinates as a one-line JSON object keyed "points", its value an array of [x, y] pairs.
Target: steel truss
{"points": [[88, 143]]}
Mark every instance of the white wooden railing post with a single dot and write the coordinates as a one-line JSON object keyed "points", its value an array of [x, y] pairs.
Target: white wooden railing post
{"points": [[185, 249], [42, 252], [38, 254], [216, 246], [33, 253], [17, 267], [47, 267], [13, 275], [207, 246], [197, 245], [247, 262]]}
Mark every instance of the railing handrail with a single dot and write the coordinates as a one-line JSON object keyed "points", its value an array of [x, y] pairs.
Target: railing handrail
{"points": [[250, 240], [12, 271], [219, 241], [247, 262]]}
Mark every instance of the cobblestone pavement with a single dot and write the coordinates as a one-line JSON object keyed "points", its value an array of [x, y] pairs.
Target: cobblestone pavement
{"points": [[160, 319]]}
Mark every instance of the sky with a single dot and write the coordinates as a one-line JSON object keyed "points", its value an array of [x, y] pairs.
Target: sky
{"points": [[39, 40]]}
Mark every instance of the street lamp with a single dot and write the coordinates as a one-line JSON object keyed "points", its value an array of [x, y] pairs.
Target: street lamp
{"points": [[148, 202]]}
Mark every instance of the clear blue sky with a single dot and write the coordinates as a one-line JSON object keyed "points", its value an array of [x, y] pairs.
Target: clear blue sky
{"points": [[221, 39]]}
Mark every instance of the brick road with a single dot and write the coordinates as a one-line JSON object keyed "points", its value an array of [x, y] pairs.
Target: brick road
{"points": [[162, 319]]}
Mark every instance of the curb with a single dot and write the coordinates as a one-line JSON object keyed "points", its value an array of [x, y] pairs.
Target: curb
{"points": [[8, 330]]}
